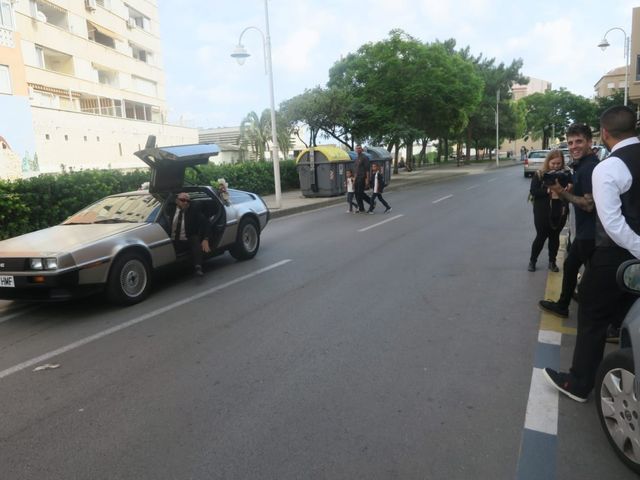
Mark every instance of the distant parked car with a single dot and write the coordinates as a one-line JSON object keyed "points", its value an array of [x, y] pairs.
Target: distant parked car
{"points": [[617, 391], [600, 151], [533, 162], [116, 243]]}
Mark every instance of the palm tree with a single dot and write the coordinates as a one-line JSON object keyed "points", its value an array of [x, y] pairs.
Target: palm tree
{"points": [[254, 133]]}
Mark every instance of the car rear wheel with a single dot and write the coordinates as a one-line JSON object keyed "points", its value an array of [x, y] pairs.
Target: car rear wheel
{"points": [[618, 407], [247, 241], [129, 279]]}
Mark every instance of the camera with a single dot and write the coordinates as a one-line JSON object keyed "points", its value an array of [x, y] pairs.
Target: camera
{"points": [[563, 178]]}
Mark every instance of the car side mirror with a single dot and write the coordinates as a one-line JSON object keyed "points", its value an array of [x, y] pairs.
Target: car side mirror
{"points": [[628, 276]]}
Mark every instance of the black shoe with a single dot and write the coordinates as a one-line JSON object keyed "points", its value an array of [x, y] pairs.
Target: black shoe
{"points": [[198, 271], [553, 267], [564, 383], [613, 334], [554, 307], [532, 266]]}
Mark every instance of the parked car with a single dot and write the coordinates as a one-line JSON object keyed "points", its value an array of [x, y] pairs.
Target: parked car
{"points": [[115, 244], [600, 151], [533, 162], [616, 390]]}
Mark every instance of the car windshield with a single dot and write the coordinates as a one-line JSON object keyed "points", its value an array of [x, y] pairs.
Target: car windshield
{"points": [[117, 209]]}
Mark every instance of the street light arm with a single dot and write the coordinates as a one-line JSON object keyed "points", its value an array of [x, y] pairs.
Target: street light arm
{"points": [[604, 44], [264, 43]]}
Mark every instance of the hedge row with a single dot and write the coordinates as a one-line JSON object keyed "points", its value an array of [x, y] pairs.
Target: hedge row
{"points": [[39, 202]]}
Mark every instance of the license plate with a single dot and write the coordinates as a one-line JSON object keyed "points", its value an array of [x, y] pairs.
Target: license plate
{"points": [[6, 281]]}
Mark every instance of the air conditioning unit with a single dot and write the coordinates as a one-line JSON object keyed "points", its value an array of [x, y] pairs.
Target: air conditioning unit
{"points": [[90, 5], [131, 23]]}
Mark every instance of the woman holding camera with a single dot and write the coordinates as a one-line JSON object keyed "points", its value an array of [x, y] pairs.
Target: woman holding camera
{"points": [[549, 211]]}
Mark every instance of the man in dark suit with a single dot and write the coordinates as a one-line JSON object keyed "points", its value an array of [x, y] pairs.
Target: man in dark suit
{"points": [[361, 173], [188, 230]]}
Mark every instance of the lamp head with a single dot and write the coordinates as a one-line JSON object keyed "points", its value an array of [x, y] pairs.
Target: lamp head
{"points": [[240, 54], [603, 44]]}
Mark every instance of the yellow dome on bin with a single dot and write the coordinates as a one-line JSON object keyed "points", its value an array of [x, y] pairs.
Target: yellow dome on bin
{"points": [[329, 152]]}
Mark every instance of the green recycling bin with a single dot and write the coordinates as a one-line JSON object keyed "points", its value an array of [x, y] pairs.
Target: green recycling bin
{"points": [[322, 171]]}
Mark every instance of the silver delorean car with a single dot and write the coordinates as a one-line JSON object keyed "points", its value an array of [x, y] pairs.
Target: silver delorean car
{"points": [[115, 244]]}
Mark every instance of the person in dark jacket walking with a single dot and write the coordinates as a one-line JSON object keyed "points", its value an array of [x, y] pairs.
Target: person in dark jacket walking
{"points": [[377, 185], [549, 212], [362, 179]]}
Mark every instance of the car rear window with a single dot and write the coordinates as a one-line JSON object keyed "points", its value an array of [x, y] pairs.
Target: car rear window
{"points": [[537, 154]]}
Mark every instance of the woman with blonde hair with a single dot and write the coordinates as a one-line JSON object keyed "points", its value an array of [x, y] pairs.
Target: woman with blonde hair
{"points": [[549, 212]]}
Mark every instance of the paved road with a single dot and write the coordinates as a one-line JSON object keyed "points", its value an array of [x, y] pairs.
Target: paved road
{"points": [[352, 346]]}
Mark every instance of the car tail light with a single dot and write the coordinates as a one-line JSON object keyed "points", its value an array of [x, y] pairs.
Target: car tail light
{"points": [[526, 162]]}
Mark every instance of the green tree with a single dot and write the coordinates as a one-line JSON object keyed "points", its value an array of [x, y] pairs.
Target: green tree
{"points": [[548, 114], [255, 132]]}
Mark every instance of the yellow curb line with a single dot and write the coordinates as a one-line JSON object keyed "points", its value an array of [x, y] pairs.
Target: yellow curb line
{"points": [[549, 321]]}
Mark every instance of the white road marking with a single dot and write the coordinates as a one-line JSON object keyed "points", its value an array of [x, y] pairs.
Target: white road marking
{"points": [[18, 313], [542, 406], [550, 337], [132, 322], [492, 179], [441, 199], [471, 187], [380, 223]]}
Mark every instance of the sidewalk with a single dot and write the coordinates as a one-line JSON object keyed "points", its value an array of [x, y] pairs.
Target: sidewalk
{"points": [[293, 201]]}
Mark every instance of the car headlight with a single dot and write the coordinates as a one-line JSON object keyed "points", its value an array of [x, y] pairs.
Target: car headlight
{"points": [[35, 264], [43, 263], [50, 263]]}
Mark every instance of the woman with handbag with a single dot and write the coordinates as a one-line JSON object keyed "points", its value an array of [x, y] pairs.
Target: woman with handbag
{"points": [[549, 211]]}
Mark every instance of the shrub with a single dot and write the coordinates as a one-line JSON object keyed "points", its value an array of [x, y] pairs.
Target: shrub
{"points": [[39, 202]]}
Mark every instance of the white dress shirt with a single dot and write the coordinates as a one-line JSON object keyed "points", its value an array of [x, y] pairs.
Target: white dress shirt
{"points": [[611, 178], [174, 225]]}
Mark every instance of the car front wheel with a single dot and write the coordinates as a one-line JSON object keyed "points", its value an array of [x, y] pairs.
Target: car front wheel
{"points": [[247, 241], [129, 280], [618, 407]]}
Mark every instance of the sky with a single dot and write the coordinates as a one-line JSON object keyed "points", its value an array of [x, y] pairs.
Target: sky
{"points": [[206, 88]]}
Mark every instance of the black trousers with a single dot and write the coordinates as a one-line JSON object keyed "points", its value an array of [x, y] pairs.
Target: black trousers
{"points": [[192, 245], [379, 197], [600, 302], [361, 196], [578, 254]]}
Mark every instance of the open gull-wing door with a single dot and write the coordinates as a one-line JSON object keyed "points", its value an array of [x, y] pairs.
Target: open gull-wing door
{"points": [[168, 164]]}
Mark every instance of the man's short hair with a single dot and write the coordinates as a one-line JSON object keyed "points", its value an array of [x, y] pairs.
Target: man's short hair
{"points": [[619, 121], [579, 129]]}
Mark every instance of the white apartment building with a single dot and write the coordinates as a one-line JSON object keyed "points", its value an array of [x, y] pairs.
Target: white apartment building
{"points": [[81, 85]]}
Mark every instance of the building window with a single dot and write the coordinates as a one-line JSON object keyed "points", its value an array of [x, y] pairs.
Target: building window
{"points": [[54, 60], [5, 80], [140, 53], [144, 86], [85, 138], [66, 138], [106, 76], [611, 85], [638, 68], [100, 36], [138, 19], [97, 139], [47, 136], [50, 13], [6, 14]]}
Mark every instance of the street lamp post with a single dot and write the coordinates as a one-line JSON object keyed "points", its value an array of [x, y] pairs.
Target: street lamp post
{"points": [[497, 128], [240, 54], [604, 44]]}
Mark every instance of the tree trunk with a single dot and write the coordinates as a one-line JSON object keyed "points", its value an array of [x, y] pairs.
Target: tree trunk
{"points": [[395, 158], [446, 149], [409, 160], [423, 151]]}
